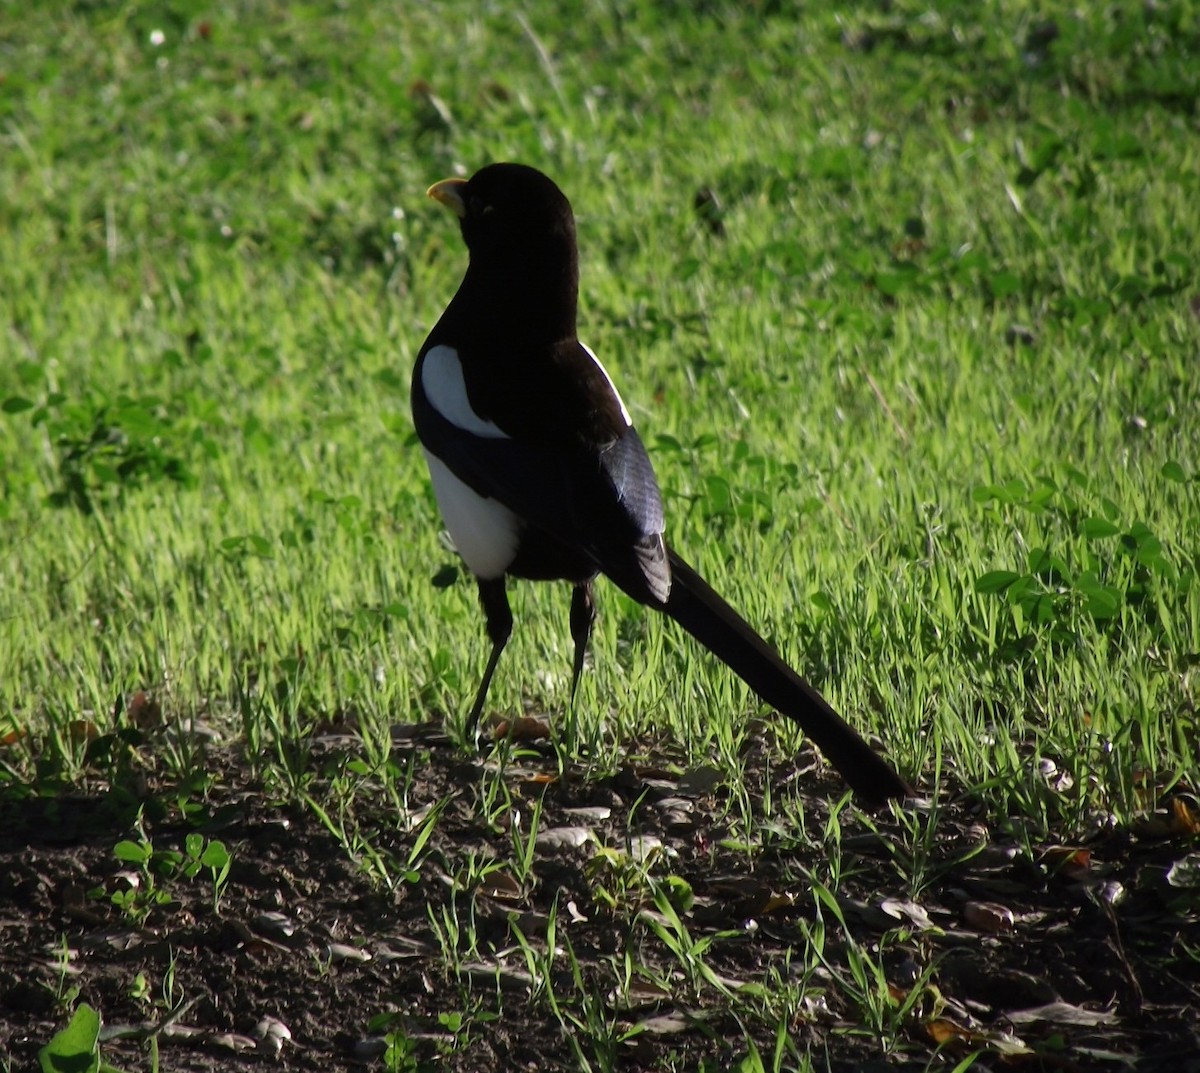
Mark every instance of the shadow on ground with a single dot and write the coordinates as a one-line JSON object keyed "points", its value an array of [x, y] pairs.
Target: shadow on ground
{"points": [[394, 908]]}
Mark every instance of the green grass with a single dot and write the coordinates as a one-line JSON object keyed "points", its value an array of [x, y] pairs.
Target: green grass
{"points": [[950, 330]]}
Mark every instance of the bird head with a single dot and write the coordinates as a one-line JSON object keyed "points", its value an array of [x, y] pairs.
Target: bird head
{"points": [[510, 212]]}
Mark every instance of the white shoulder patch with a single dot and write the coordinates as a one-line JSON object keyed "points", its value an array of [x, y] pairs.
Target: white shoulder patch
{"points": [[624, 413], [442, 379]]}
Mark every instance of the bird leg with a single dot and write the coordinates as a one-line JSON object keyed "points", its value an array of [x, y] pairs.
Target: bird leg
{"points": [[583, 614], [494, 600]]}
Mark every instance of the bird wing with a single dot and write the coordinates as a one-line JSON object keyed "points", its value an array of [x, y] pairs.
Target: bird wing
{"points": [[577, 471]]}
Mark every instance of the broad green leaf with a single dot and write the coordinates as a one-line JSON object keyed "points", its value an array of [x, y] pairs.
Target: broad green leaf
{"points": [[76, 1048], [996, 581], [132, 852], [1173, 471], [215, 855], [1098, 529]]}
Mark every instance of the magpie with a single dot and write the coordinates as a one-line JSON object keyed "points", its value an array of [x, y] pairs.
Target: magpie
{"points": [[539, 472]]}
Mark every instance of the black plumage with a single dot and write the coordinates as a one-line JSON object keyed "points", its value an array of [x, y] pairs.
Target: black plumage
{"points": [[539, 471]]}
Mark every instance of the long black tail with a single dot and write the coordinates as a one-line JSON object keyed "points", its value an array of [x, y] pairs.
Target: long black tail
{"points": [[699, 610]]}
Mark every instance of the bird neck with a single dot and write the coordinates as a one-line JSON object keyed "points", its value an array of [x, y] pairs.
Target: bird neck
{"points": [[531, 298]]}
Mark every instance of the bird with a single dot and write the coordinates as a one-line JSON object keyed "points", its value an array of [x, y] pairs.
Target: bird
{"points": [[539, 472]]}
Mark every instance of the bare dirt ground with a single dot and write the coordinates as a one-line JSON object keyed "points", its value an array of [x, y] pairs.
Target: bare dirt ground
{"points": [[1085, 957]]}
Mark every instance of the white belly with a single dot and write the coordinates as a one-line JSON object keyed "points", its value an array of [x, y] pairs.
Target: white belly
{"points": [[485, 532]]}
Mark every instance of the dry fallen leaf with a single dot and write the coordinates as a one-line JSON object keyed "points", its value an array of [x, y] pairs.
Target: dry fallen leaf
{"points": [[509, 977], [907, 910], [1185, 873], [1057, 779], [344, 952], [777, 901], [554, 839], [122, 939], [501, 886], [271, 1034], [988, 916], [144, 711], [1185, 822], [523, 728], [401, 948], [1070, 861], [12, 735], [589, 813], [413, 819], [665, 1024], [674, 804], [1062, 1013], [941, 1031], [123, 880], [274, 925], [643, 847], [83, 730], [639, 993], [229, 1041]]}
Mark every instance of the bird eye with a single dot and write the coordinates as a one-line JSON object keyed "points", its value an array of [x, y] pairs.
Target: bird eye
{"points": [[477, 207]]}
